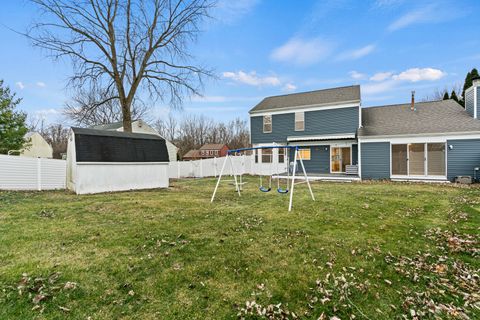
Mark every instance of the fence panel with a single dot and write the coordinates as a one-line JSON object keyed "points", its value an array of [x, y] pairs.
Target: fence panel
{"points": [[244, 164], [23, 173]]}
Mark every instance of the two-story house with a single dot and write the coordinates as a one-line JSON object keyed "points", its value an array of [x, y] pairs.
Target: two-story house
{"points": [[340, 139]]}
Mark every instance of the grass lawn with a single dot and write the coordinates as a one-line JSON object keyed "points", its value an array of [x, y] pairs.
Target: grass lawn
{"points": [[368, 250]]}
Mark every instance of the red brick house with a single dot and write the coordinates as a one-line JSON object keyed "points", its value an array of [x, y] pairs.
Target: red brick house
{"points": [[209, 150], [213, 150]]}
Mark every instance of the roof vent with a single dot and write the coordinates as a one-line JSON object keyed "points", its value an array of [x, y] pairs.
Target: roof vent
{"points": [[412, 107]]}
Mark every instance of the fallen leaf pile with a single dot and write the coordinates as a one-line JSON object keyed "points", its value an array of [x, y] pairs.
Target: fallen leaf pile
{"points": [[271, 312], [446, 287], [449, 241], [38, 290], [249, 223]]}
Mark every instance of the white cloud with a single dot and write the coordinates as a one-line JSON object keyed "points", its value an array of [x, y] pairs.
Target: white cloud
{"points": [[387, 3], [229, 11], [357, 75], [303, 51], [20, 85], [41, 84], [45, 112], [380, 76], [219, 99], [252, 78], [385, 81], [357, 53], [289, 87], [432, 13], [420, 74]]}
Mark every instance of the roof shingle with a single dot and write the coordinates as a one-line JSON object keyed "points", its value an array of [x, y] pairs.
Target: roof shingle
{"points": [[445, 116], [330, 96]]}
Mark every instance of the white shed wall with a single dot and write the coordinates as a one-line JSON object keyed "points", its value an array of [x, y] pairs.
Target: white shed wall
{"points": [[107, 177]]}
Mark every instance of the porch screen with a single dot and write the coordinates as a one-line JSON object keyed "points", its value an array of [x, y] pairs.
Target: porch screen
{"points": [[436, 159], [399, 159], [416, 156]]}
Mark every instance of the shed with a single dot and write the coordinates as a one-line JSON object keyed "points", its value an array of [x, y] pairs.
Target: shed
{"points": [[105, 161]]}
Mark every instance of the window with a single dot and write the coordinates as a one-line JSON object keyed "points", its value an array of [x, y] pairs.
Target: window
{"points": [[256, 155], [281, 155], [266, 155], [304, 153], [299, 121], [267, 123]]}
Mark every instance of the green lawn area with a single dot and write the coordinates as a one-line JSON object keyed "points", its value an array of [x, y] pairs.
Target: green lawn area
{"points": [[371, 250]]}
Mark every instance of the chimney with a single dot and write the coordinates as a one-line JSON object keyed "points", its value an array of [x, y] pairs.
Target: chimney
{"points": [[412, 107], [476, 81]]}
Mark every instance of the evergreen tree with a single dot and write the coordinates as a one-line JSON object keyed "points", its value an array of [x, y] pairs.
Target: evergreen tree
{"points": [[454, 96], [468, 83], [12, 123], [445, 95]]}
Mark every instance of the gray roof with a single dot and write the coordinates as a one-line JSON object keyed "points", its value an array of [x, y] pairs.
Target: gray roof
{"points": [[332, 96], [445, 116]]}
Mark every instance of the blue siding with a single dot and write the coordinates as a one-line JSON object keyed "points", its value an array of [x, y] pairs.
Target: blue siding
{"points": [[375, 160], [343, 120], [354, 154], [469, 102], [464, 156], [319, 159]]}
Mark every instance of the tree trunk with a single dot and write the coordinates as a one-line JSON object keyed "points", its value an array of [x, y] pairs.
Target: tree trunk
{"points": [[127, 116]]}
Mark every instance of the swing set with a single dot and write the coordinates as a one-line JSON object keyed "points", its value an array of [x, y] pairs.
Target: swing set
{"points": [[290, 176]]}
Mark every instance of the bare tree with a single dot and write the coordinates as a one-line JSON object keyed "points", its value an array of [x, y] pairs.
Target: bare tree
{"points": [[92, 107], [126, 45], [167, 128], [439, 94]]}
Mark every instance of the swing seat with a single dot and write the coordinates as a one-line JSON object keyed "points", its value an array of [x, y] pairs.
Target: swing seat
{"points": [[263, 189], [280, 190]]}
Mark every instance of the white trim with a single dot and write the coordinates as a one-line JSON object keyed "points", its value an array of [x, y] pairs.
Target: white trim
{"points": [[440, 137], [306, 108], [335, 143], [475, 102], [322, 137], [359, 159]]}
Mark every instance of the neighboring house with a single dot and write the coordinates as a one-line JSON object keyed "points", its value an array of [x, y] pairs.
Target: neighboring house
{"points": [[36, 146], [339, 139], [192, 155], [209, 150], [213, 150], [140, 126]]}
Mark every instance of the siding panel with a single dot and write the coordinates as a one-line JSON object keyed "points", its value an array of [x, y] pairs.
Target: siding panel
{"points": [[319, 160], [344, 120], [464, 156], [469, 102], [478, 102], [376, 160]]}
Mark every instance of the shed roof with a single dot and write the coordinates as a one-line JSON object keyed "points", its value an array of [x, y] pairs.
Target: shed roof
{"points": [[192, 154], [331, 96], [432, 117], [94, 145]]}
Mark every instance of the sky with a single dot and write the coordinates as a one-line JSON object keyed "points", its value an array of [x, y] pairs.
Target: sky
{"points": [[260, 48]]}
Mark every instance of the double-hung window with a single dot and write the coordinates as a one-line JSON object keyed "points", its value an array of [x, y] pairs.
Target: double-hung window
{"points": [[300, 121], [267, 123]]}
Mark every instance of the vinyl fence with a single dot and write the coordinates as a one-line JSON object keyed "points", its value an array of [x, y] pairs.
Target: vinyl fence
{"points": [[211, 167], [23, 173]]}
